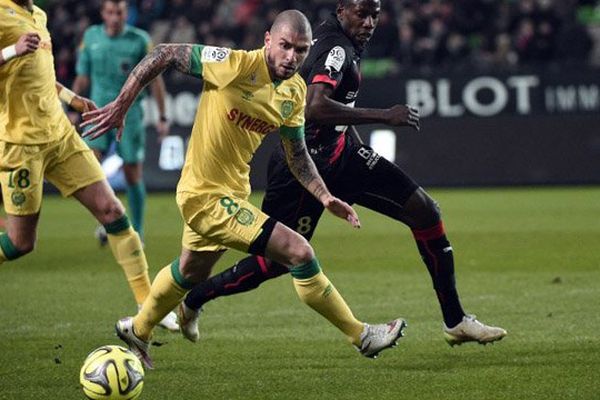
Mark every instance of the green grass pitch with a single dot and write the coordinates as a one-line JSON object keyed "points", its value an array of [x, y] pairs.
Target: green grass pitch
{"points": [[527, 260]]}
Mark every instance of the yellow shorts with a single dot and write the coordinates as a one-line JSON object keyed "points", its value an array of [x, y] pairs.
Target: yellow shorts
{"points": [[216, 222], [67, 163]]}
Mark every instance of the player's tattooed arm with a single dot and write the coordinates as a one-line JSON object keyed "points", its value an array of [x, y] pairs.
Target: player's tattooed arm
{"points": [[161, 58], [303, 167]]}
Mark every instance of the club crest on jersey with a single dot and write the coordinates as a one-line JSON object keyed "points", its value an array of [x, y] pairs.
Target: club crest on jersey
{"points": [[18, 198], [244, 216], [214, 54], [11, 12], [335, 60], [286, 108]]}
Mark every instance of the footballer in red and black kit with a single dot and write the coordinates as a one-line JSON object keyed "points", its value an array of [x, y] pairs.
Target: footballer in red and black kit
{"points": [[334, 61], [353, 172]]}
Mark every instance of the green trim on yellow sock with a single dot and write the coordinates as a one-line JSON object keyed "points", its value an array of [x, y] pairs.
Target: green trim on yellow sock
{"points": [[181, 281], [306, 271], [8, 248], [117, 226]]}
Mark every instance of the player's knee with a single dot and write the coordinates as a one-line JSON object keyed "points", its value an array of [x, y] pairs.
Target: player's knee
{"points": [[109, 209], [301, 253], [435, 212], [423, 210]]}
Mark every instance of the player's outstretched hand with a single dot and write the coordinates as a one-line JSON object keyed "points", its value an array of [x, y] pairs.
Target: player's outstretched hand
{"points": [[404, 115], [342, 210], [27, 43], [104, 119], [83, 104]]}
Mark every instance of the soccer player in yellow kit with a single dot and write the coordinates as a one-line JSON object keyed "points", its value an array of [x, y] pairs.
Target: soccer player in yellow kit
{"points": [[246, 95], [38, 141]]}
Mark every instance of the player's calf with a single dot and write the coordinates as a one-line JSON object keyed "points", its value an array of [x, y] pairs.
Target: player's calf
{"points": [[20, 237]]}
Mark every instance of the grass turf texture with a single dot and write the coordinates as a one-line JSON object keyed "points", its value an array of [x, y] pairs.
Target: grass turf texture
{"points": [[527, 260]]}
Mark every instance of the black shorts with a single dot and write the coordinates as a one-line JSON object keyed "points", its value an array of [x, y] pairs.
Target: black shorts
{"points": [[358, 176]]}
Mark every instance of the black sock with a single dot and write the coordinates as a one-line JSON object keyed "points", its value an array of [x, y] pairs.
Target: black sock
{"points": [[436, 252], [246, 275]]}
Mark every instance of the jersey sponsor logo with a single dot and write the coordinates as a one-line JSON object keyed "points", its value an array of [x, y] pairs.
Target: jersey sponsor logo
{"points": [[214, 54], [369, 155], [250, 123], [351, 96], [286, 108], [335, 60]]}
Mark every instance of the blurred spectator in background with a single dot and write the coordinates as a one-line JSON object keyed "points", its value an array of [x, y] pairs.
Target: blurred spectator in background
{"points": [[412, 34]]}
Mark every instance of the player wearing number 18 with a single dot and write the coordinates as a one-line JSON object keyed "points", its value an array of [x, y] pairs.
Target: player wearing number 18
{"points": [[37, 142]]}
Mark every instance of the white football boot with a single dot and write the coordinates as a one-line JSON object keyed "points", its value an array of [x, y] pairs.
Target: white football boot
{"points": [[188, 322], [139, 347], [471, 330], [376, 338]]}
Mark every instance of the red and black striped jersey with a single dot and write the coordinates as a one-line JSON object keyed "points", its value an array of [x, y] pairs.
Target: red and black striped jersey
{"points": [[333, 60]]}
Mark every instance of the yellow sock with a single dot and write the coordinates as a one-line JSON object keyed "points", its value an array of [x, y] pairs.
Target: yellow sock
{"points": [[127, 249], [315, 290], [168, 290]]}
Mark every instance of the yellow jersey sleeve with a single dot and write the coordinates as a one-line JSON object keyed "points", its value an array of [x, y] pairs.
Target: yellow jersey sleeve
{"points": [[293, 124], [296, 117], [218, 66]]}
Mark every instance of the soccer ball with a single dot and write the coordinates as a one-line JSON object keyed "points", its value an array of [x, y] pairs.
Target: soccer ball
{"points": [[112, 373]]}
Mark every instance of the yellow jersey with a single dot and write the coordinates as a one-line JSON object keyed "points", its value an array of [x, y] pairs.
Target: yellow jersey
{"points": [[30, 111], [239, 105]]}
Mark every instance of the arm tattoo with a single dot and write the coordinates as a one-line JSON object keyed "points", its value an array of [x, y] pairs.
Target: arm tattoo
{"points": [[161, 58], [303, 167]]}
